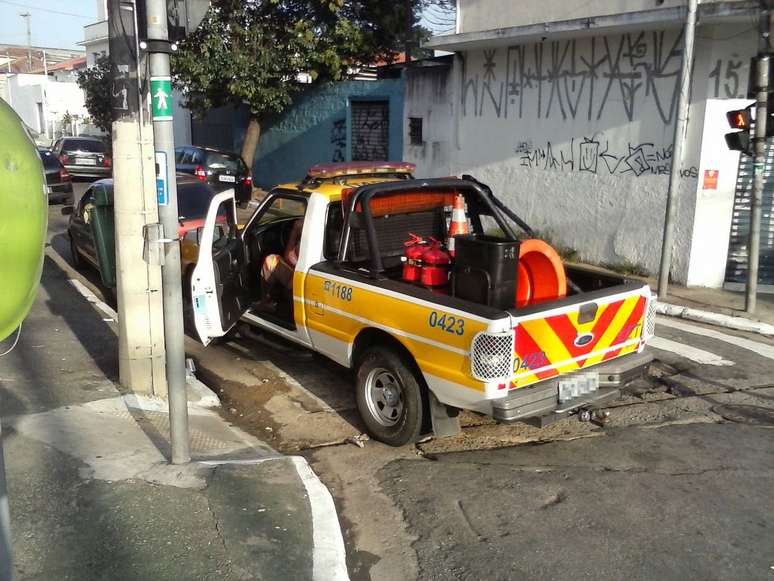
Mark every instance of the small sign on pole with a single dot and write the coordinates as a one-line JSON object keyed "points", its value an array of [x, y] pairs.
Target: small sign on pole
{"points": [[161, 95], [162, 179], [710, 179]]}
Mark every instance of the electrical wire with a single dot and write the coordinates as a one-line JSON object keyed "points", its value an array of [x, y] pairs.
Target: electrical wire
{"points": [[27, 6], [15, 341]]}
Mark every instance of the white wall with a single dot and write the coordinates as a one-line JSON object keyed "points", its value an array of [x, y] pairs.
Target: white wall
{"points": [[429, 97], [57, 99], [714, 207], [479, 15], [576, 136]]}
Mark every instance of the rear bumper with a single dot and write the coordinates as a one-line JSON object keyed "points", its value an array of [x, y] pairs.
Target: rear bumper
{"points": [[60, 188], [88, 170], [543, 398]]}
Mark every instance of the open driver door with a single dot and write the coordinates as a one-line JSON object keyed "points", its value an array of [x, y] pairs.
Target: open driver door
{"points": [[222, 284]]}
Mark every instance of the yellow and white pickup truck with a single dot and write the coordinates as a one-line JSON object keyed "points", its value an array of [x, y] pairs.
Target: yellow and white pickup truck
{"points": [[420, 353]]}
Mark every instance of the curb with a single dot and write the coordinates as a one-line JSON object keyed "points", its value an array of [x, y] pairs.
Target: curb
{"points": [[718, 319]]}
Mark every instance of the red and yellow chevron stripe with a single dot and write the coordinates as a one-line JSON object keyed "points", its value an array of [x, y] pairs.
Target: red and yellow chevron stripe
{"points": [[547, 347]]}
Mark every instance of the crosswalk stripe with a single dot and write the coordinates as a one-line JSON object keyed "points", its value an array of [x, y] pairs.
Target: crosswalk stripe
{"points": [[761, 349], [692, 353]]}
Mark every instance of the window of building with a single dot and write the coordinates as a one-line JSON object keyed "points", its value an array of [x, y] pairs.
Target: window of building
{"points": [[415, 131]]}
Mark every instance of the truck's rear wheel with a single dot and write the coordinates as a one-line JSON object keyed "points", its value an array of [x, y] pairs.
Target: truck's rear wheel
{"points": [[389, 397]]}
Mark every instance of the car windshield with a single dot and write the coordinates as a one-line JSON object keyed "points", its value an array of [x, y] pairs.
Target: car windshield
{"points": [[193, 200], [224, 161], [90, 145]]}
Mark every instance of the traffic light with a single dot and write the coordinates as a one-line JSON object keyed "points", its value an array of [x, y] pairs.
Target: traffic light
{"points": [[740, 140]]}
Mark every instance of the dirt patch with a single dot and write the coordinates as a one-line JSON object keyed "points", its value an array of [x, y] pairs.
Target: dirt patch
{"points": [[379, 546]]}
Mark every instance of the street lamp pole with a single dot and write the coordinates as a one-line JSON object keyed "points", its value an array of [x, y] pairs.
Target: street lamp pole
{"points": [[681, 125]]}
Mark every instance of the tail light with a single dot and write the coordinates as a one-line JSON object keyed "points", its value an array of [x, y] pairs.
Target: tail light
{"points": [[248, 180], [64, 158], [106, 161], [64, 176], [200, 172]]}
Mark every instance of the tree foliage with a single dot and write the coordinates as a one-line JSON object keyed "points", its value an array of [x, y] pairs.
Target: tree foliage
{"points": [[257, 52], [96, 84]]}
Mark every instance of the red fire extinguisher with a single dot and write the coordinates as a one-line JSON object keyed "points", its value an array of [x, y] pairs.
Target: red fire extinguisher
{"points": [[412, 265], [436, 263]]}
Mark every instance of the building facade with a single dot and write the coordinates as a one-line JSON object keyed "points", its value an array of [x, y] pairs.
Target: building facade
{"points": [[568, 109]]}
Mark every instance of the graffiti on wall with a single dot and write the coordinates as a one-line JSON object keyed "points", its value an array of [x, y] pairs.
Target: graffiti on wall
{"points": [[594, 155], [587, 78], [338, 140]]}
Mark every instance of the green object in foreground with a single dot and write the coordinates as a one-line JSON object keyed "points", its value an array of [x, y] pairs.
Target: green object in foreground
{"points": [[23, 220], [103, 233]]}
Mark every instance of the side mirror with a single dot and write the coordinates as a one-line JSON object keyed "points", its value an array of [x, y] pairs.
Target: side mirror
{"points": [[67, 210]]}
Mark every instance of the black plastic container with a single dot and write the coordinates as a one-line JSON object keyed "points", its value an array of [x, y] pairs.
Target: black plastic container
{"points": [[485, 270]]}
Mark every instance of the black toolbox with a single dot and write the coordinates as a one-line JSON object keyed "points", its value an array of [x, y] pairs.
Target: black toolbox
{"points": [[485, 269]]}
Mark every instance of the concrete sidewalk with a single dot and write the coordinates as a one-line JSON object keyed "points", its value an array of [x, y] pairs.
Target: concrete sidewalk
{"points": [[718, 307], [93, 496], [721, 301]]}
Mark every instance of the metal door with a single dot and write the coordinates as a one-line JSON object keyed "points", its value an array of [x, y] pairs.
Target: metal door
{"points": [[370, 130], [736, 266]]}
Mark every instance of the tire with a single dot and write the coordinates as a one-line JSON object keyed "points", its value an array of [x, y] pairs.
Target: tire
{"points": [[76, 258], [395, 419]]}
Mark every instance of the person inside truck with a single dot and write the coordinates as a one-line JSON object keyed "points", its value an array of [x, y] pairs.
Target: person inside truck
{"points": [[277, 271]]}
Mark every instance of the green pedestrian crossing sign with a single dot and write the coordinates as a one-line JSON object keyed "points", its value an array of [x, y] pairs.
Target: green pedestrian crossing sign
{"points": [[161, 96]]}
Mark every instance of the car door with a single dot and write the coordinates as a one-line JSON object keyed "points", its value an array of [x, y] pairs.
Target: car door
{"points": [[222, 286], [183, 160], [80, 227]]}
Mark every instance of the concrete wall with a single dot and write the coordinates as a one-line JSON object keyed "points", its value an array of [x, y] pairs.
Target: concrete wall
{"points": [[576, 135], [429, 97], [317, 129], [479, 15], [57, 99]]}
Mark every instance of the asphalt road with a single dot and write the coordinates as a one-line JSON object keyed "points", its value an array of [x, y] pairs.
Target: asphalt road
{"points": [[678, 485]]}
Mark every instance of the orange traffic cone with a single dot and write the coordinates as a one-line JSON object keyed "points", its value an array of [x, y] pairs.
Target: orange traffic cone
{"points": [[459, 222]]}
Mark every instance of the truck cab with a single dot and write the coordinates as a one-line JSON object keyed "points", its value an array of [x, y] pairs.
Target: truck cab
{"points": [[422, 351]]}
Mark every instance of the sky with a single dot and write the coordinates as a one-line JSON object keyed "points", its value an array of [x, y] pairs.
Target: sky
{"points": [[53, 29], [50, 28]]}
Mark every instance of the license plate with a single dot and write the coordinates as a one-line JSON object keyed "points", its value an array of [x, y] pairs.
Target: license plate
{"points": [[85, 161], [578, 384], [229, 179]]}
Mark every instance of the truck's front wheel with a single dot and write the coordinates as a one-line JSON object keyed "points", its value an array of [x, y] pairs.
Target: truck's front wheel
{"points": [[389, 397]]}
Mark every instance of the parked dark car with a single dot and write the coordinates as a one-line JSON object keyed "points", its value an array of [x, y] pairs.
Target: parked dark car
{"points": [[84, 156], [221, 169], [58, 180], [193, 201]]}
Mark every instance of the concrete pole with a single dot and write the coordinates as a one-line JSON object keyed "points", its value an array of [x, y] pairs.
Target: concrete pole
{"points": [[27, 16], [45, 96], [678, 150], [138, 285], [759, 158], [164, 141]]}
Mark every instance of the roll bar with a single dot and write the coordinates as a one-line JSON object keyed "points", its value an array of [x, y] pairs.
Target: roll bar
{"points": [[363, 195]]}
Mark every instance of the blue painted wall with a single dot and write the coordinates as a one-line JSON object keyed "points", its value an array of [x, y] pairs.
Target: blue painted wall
{"points": [[317, 129]]}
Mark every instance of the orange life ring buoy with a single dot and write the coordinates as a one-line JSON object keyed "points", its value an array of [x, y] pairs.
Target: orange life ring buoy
{"points": [[541, 274]]}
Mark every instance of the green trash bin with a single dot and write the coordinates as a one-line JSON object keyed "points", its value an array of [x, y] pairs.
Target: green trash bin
{"points": [[103, 232]]}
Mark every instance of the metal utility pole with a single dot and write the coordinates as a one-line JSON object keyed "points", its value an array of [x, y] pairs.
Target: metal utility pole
{"points": [[681, 124], [138, 284], [159, 49], [759, 156], [28, 16]]}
